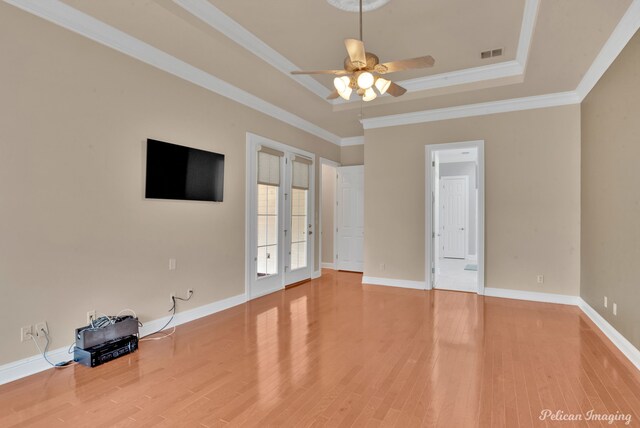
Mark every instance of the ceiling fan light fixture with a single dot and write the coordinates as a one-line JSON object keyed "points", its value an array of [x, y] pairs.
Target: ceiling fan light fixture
{"points": [[369, 95], [382, 85], [365, 80], [340, 84], [346, 94]]}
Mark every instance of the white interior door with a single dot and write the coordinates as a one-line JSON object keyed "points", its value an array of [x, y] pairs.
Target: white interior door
{"points": [[453, 216], [350, 218]]}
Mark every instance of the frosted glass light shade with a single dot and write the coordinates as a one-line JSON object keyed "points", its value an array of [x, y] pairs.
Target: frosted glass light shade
{"points": [[369, 95], [346, 94], [365, 80], [382, 85], [339, 84]]}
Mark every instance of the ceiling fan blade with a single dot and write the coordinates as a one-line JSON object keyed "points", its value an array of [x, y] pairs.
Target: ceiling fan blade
{"points": [[396, 90], [335, 72], [333, 95], [355, 48], [406, 64]]}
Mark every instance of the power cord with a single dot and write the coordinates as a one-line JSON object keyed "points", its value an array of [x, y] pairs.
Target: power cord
{"points": [[60, 365], [173, 314], [103, 321]]}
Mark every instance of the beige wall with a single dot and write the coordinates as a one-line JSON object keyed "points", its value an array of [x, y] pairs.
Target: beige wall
{"points": [[77, 233], [532, 213], [328, 205], [352, 155], [611, 193]]}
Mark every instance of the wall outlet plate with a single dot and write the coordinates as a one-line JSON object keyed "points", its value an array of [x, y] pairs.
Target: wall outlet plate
{"points": [[25, 333], [171, 297], [91, 316], [540, 279], [606, 301], [41, 326], [615, 309]]}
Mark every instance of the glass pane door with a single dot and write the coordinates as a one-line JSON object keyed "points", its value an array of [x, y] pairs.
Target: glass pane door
{"points": [[267, 230], [298, 219], [299, 225]]}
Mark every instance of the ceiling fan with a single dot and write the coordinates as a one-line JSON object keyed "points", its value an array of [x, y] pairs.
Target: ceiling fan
{"points": [[362, 71]]}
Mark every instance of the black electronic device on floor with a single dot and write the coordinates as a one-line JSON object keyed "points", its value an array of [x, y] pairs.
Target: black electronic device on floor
{"points": [[106, 339], [105, 352]]}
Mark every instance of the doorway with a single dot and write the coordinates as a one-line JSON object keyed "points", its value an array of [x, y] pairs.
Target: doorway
{"points": [[455, 216], [279, 216]]}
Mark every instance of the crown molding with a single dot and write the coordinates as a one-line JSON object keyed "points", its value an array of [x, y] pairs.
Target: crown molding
{"points": [[65, 16], [481, 109], [352, 141], [626, 28], [529, 18], [72, 19], [215, 18]]}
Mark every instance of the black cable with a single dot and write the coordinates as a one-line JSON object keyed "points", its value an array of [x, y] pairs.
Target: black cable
{"points": [[173, 314], [173, 308]]}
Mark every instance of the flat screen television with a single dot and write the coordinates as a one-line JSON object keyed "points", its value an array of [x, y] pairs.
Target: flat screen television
{"points": [[183, 173]]}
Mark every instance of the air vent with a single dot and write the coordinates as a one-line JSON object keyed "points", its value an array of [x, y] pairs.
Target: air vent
{"points": [[491, 53]]}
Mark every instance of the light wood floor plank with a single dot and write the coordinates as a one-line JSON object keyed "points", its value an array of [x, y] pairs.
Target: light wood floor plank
{"points": [[335, 353]]}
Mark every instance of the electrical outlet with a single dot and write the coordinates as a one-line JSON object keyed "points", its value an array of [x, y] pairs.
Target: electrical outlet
{"points": [[189, 292], [606, 301], [172, 264], [615, 309], [25, 333], [91, 316], [540, 279], [40, 327], [171, 297]]}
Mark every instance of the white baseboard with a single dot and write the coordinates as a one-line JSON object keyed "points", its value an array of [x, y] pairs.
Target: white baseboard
{"points": [[34, 364], [329, 266], [316, 274], [390, 282], [626, 347], [532, 296]]}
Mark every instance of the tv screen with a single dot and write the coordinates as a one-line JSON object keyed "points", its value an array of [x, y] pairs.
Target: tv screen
{"points": [[179, 172]]}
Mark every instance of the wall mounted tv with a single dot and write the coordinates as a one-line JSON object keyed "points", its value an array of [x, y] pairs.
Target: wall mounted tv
{"points": [[179, 172]]}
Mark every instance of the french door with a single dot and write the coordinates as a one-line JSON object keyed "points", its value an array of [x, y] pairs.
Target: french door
{"points": [[280, 216]]}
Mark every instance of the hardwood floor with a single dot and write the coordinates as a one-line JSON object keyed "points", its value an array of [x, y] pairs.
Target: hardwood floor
{"points": [[332, 352]]}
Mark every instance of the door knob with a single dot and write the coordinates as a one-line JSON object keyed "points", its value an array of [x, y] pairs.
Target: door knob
{"points": [[462, 228]]}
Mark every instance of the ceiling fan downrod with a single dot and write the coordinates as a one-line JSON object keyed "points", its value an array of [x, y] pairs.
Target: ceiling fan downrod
{"points": [[361, 21]]}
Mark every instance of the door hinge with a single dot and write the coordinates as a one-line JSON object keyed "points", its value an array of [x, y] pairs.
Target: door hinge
{"points": [[433, 234], [336, 256], [336, 230], [433, 163], [285, 232], [433, 270]]}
